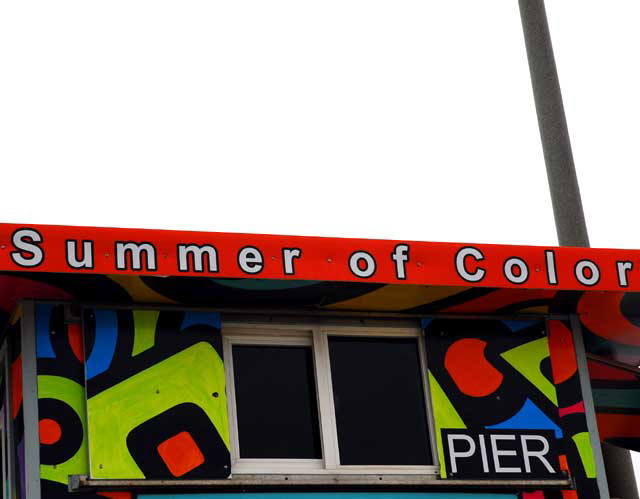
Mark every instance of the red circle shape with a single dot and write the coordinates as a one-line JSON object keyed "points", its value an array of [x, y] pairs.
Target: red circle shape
{"points": [[470, 370], [50, 431]]}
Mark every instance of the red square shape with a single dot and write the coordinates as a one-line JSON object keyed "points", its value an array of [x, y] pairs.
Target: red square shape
{"points": [[180, 453]]}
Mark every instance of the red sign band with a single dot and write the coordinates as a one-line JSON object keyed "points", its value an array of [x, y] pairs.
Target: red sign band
{"points": [[46, 248]]}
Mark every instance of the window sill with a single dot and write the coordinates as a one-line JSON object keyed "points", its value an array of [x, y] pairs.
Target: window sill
{"points": [[258, 481], [291, 467]]}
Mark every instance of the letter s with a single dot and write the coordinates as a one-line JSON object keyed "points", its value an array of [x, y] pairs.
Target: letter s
{"points": [[28, 254]]}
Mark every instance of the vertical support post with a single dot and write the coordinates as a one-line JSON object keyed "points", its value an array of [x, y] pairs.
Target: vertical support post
{"points": [[589, 407], [561, 174], [8, 404], [30, 401]]}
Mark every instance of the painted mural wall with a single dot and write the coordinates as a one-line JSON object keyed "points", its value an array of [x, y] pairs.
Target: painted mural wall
{"points": [[610, 320], [156, 401], [61, 403], [611, 329], [149, 402], [141, 395], [511, 375]]}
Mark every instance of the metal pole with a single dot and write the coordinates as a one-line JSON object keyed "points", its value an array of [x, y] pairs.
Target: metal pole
{"points": [[563, 183], [563, 186]]}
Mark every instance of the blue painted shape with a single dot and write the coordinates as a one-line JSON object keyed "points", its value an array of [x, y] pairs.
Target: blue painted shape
{"points": [[104, 346], [206, 318], [44, 348], [425, 322], [518, 325], [334, 495], [529, 417]]}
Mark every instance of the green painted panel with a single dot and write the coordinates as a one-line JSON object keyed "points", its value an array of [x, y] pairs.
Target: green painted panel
{"points": [[526, 359], [144, 330], [583, 443], [445, 416], [190, 376]]}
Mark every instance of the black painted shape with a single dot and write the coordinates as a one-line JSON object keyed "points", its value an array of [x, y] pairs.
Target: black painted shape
{"points": [[451, 301], [55, 490], [3, 391], [206, 292], [545, 369], [632, 443], [143, 442], [4, 320], [71, 426]]}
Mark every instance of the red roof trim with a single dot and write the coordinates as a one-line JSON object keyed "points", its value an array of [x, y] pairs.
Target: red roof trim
{"points": [[48, 248]]}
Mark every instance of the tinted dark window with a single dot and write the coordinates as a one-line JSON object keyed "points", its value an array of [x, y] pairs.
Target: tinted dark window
{"points": [[379, 401], [276, 402]]}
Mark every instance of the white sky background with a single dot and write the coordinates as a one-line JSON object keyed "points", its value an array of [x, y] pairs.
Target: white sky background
{"points": [[399, 119], [395, 119], [597, 46]]}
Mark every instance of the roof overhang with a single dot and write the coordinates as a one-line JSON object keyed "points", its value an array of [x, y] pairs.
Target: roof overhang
{"points": [[163, 253]]}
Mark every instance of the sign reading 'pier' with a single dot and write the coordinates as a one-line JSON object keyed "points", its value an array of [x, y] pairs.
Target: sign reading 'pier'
{"points": [[501, 454]]}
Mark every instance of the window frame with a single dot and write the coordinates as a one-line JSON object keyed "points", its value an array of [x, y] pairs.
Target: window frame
{"points": [[316, 335]]}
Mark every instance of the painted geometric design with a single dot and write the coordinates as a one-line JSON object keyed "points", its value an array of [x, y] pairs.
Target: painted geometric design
{"points": [[179, 443], [49, 430], [62, 401], [500, 375], [444, 416], [151, 375], [470, 370], [527, 360], [529, 417], [264, 293], [610, 331], [61, 404], [181, 454], [572, 419]]}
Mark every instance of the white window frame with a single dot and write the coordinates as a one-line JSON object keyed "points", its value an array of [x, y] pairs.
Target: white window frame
{"points": [[316, 336]]}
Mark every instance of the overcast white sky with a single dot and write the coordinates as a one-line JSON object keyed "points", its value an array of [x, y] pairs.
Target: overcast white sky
{"points": [[400, 119], [396, 119], [390, 119]]}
